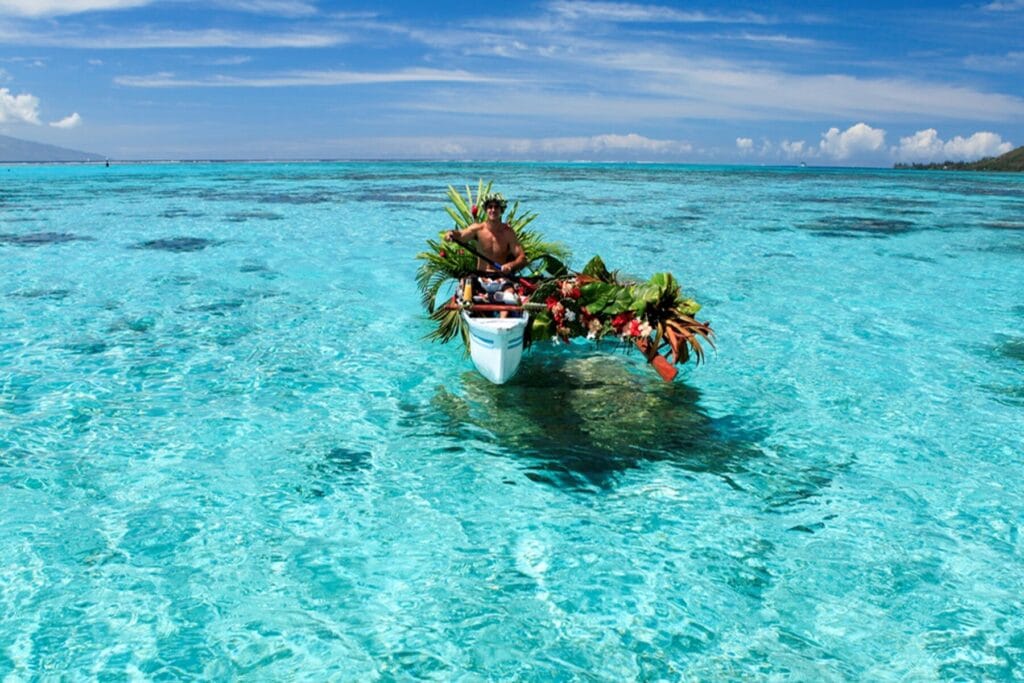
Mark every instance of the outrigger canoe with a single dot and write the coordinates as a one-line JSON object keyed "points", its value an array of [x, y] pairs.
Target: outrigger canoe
{"points": [[496, 344], [594, 303]]}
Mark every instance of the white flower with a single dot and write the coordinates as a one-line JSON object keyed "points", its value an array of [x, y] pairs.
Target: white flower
{"points": [[569, 315]]}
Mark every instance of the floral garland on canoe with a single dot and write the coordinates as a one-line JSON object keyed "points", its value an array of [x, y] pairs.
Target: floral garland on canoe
{"points": [[594, 303]]}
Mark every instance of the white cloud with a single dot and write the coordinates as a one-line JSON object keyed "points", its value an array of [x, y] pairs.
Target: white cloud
{"points": [[714, 87], [858, 139], [629, 12], [231, 61], [52, 8], [603, 146], [660, 78], [795, 149], [282, 8], [630, 142], [777, 39], [22, 107], [981, 144], [208, 38], [1010, 61], [72, 121], [744, 144], [1005, 5], [305, 78], [925, 146]]}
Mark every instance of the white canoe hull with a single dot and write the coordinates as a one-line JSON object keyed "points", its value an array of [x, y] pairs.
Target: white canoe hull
{"points": [[496, 345]]}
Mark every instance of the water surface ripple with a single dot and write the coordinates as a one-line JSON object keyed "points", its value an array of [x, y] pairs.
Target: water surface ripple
{"points": [[226, 450]]}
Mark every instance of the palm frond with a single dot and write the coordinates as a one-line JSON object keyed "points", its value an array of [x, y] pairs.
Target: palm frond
{"points": [[602, 302], [450, 324]]}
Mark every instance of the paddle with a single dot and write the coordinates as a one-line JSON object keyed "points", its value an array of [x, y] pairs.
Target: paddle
{"points": [[494, 264], [474, 252]]}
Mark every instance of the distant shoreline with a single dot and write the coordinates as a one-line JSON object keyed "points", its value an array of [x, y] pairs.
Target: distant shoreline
{"points": [[982, 165], [553, 162], [1011, 162]]}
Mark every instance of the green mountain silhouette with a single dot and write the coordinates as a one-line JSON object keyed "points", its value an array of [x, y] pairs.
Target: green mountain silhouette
{"points": [[15, 150]]}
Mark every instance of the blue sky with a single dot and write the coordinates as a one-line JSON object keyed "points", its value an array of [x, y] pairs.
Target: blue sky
{"points": [[867, 83]]}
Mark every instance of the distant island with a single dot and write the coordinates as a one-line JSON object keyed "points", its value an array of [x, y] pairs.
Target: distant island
{"points": [[13, 150], [1011, 161]]}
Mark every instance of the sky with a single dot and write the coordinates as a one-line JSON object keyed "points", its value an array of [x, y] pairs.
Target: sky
{"points": [[822, 83]]}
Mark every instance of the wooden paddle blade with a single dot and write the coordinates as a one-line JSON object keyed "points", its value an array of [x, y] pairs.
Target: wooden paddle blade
{"points": [[665, 370]]}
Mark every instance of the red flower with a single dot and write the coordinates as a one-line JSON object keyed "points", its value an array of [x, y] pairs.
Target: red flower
{"points": [[634, 328], [550, 302], [575, 293], [619, 321], [443, 254], [473, 211]]}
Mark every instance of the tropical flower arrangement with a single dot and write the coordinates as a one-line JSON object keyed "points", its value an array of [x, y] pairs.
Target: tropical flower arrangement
{"points": [[594, 303]]}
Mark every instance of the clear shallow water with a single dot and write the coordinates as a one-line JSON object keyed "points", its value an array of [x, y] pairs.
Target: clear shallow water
{"points": [[225, 450]]}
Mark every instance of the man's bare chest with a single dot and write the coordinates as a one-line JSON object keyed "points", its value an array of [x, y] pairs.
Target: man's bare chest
{"points": [[500, 240]]}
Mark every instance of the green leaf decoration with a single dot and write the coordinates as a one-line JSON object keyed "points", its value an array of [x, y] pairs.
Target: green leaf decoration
{"points": [[652, 315], [595, 268]]}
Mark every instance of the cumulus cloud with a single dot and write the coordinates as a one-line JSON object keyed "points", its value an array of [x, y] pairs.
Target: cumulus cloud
{"points": [[612, 146], [981, 144], [72, 121], [927, 146], [22, 107], [52, 8], [744, 144], [858, 139], [795, 149], [630, 144]]}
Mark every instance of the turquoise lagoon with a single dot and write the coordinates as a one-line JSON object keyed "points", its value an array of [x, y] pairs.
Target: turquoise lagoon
{"points": [[226, 450]]}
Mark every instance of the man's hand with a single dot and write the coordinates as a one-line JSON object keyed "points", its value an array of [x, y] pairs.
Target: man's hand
{"points": [[451, 235], [506, 268]]}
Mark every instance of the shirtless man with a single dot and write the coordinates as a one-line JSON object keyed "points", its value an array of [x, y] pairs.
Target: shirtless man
{"points": [[497, 239]]}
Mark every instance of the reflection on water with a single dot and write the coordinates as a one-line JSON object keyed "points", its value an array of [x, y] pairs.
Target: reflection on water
{"points": [[38, 239], [177, 244], [579, 422]]}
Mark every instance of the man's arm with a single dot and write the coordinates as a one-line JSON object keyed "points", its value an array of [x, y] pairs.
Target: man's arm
{"points": [[463, 235], [518, 262]]}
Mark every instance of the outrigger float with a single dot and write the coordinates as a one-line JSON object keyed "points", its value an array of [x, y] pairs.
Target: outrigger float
{"points": [[552, 302]]}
